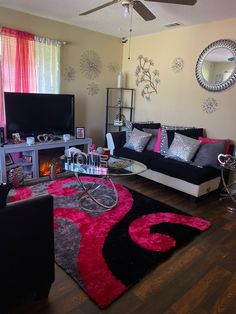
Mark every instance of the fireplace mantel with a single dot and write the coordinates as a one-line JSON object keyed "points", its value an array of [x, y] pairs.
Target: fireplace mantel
{"points": [[33, 152]]}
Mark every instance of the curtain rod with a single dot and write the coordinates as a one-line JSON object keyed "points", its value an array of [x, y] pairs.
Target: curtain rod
{"points": [[42, 38]]}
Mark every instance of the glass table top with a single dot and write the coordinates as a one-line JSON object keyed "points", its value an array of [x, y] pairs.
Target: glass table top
{"points": [[116, 166]]}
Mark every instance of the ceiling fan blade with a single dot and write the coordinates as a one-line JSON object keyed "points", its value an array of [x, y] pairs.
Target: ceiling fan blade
{"points": [[100, 7], [185, 2], [143, 11]]}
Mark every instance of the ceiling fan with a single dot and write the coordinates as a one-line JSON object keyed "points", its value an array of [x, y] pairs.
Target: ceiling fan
{"points": [[139, 7]]}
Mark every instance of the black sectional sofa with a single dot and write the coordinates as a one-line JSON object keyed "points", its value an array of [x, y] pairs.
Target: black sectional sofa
{"points": [[186, 177]]}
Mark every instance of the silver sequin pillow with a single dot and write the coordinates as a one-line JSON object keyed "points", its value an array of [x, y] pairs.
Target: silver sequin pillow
{"points": [[164, 138], [138, 140], [183, 148]]}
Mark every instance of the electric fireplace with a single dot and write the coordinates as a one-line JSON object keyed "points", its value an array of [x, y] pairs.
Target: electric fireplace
{"points": [[46, 157]]}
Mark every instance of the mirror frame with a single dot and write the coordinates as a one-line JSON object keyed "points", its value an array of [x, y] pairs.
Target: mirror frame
{"points": [[222, 43]]}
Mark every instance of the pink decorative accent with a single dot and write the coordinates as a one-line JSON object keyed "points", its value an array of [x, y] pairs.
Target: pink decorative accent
{"points": [[99, 282], [157, 145], [17, 65], [20, 194], [207, 140], [139, 230]]}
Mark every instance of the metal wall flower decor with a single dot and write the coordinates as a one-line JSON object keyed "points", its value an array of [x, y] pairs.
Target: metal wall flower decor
{"points": [[145, 75], [90, 64], [69, 73], [209, 105], [92, 89], [177, 64], [113, 68]]}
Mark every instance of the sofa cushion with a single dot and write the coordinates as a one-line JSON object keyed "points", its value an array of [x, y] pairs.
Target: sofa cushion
{"points": [[183, 148], [152, 142], [144, 157], [164, 139], [193, 133], [184, 171], [208, 153], [148, 125], [157, 146], [138, 140], [207, 140]]}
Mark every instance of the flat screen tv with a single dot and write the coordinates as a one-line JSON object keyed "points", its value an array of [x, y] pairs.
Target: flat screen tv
{"points": [[31, 114]]}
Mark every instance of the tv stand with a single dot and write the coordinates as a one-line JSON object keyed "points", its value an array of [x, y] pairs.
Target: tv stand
{"points": [[32, 151]]}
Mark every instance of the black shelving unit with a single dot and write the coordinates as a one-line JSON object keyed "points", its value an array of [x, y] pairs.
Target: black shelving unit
{"points": [[119, 108]]}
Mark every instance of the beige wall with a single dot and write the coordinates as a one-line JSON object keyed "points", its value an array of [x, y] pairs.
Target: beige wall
{"points": [[179, 97], [90, 110]]}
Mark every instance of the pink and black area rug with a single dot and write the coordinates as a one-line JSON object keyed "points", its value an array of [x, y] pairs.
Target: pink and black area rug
{"points": [[107, 252]]}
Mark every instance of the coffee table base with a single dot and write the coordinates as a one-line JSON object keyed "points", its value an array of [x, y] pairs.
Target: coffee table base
{"points": [[88, 192]]}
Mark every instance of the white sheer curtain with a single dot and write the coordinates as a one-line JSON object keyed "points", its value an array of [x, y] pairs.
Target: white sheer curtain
{"points": [[47, 54]]}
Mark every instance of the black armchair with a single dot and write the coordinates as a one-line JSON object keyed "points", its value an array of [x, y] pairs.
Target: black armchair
{"points": [[27, 250]]}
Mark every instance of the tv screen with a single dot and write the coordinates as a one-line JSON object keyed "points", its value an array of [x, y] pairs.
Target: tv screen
{"points": [[31, 114]]}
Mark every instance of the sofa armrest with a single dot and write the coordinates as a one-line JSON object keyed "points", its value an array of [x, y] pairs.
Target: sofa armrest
{"points": [[115, 140]]}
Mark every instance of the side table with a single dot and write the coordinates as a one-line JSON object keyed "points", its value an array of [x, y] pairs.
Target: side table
{"points": [[228, 162]]}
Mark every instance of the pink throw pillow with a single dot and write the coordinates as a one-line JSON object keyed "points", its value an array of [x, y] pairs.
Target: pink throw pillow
{"points": [[206, 140], [157, 146]]}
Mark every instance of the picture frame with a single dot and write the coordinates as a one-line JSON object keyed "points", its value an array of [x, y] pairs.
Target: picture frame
{"points": [[16, 138], [80, 132], [27, 158], [8, 159]]}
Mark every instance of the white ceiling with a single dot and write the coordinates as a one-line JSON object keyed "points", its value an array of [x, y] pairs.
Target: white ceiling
{"points": [[110, 20]]}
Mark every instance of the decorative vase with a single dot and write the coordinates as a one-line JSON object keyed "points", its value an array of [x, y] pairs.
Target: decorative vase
{"points": [[16, 176], [4, 190], [121, 80]]}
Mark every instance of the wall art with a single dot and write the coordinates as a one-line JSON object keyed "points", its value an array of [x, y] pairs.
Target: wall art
{"points": [[69, 73], [92, 89], [145, 75], [209, 105], [177, 64], [90, 64], [113, 68]]}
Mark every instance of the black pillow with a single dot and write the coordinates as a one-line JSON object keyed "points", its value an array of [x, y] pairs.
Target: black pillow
{"points": [[142, 126], [208, 153], [193, 133]]}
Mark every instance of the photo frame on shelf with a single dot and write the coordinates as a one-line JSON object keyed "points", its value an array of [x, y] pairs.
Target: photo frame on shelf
{"points": [[8, 159], [16, 138], [27, 158], [80, 132]]}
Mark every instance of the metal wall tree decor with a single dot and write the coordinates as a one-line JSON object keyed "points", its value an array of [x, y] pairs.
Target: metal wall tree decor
{"points": [[90, 64], [92, 89], [209, 105], [145, 75], [69, 73], [177, 64]]}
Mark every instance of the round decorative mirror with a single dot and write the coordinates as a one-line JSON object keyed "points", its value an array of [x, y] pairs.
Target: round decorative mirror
{"points": [[216, 65]]}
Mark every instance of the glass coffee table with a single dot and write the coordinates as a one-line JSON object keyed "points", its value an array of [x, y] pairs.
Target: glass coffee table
{"points": [[116, 167]]}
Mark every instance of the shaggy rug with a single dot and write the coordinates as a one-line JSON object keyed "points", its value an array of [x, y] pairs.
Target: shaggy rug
{"points": [[107, 252]]}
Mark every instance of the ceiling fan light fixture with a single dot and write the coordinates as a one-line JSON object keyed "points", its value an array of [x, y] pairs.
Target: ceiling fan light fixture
{"points": [[126, 5], [126, 11]]}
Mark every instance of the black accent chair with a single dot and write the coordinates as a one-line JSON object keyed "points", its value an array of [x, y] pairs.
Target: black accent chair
{"points": [[26, 250]]}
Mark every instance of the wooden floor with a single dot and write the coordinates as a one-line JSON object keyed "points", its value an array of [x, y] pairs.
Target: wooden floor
{"points": [[198, 279]]}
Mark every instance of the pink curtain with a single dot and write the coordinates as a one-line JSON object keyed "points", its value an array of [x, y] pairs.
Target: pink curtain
{"points": [[18, 72]]}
